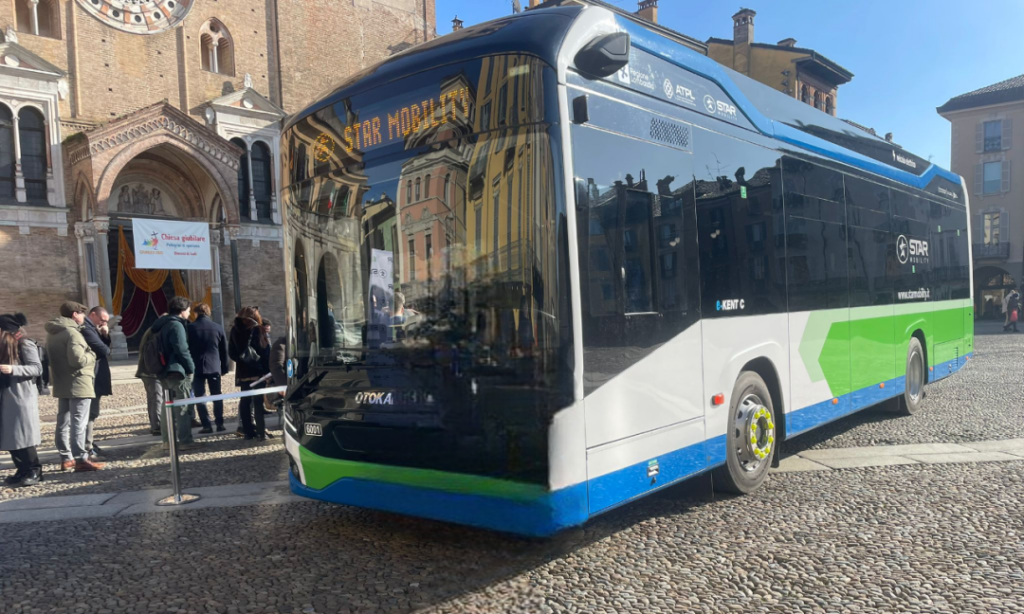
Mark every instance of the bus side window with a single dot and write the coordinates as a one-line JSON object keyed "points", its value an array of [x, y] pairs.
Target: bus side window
{"points": [[869, 241], [816, 236], [910, 227], [737, 192], [637, 250]]}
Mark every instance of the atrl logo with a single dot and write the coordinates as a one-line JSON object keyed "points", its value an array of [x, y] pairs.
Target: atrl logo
{"points": [[152, 241]]}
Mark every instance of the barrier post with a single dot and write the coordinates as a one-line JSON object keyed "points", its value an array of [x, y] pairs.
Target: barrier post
{"points": [[177, 498]]}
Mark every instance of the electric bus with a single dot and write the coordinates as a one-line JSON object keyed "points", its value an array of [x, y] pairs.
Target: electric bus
{"points": [[546, 265]]}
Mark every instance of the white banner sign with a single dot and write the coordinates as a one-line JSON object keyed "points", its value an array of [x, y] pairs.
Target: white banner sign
{"points": [[160, 244]]}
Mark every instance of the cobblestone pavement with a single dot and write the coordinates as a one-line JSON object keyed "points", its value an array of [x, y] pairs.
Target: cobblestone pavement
{"points": [[918, 538]]}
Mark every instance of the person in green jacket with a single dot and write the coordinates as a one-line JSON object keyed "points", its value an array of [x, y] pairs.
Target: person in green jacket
{"points": [[176, 379], [72, 374]]}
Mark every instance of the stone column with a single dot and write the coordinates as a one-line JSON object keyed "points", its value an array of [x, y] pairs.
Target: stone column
{"points": [[253, 215], [118, 342], [213, 56], [35, 16], [216, 297], [233, 232], [19, 177], [51, 184]]}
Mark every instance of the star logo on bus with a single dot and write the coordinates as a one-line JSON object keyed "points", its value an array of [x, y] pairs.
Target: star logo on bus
{"points": [[709, 103], [670, 90], [902, 249]]}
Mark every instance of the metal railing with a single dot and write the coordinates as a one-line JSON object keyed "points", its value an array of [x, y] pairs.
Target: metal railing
{"points": [[1000, 251]]}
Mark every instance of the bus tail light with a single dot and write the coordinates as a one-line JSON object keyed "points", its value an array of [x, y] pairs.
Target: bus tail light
{"points": [[718, 399]]}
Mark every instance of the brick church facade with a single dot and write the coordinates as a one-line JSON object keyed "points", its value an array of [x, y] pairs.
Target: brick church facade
{"points": [[163, 109]]}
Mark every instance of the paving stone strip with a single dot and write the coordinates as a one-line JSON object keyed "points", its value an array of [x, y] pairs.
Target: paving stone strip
{"points": [[884, 456]]}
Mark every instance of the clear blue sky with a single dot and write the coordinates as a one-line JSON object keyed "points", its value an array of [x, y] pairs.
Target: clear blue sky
{"points": [[907, 56]]}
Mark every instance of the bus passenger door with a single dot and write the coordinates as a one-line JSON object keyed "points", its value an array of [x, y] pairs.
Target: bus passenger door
{"points": [[641, 328]]}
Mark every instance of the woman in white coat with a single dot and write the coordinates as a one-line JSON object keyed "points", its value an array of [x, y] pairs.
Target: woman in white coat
{"points": [[19, 402]]}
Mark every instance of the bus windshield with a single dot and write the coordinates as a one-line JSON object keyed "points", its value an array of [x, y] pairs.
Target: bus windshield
{"points": [[428, 244]]}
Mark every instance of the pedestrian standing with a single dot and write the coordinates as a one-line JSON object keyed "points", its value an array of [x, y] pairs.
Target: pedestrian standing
{"points": [[72, 375], [96, 331], [248, 347], [20, 367], [176, 378], [1012, 311], [209, 347], [154, 390]]}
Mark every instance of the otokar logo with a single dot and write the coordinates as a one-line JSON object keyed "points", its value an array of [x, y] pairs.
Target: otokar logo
{"points": [[375, 398], [912, 251], [948, 193], [732, 304], [313, 429]]}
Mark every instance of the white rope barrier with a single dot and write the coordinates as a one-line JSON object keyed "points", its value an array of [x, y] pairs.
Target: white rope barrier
{"points": [[228, 397]]}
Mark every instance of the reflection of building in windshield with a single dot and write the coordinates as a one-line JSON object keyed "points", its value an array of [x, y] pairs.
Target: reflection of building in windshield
{"points": [[324, 213], [473, 212], [428, 190]]}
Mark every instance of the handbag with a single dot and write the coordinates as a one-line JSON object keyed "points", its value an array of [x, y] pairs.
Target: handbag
{"points": [[1013, 315]]}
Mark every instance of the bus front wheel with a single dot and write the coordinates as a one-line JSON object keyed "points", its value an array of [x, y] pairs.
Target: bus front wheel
{"points": [[751, 437]]}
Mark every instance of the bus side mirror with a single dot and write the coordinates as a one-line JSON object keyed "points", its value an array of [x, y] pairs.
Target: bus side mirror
{"points": [[604, 56]]}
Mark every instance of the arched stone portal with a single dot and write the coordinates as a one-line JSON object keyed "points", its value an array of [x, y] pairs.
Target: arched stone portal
{"points": [[155, 163]]}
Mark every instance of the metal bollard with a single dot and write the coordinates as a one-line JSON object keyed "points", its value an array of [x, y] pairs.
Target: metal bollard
{"points": [[178, 498]]}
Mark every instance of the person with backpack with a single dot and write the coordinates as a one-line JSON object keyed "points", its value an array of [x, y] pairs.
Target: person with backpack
{"points": [[249, 348], [167, 356], [19, 402], [151, 382], [73, 372], [209, 346]]}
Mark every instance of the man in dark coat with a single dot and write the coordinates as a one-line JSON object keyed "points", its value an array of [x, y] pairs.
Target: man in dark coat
{"points": [[209, 347], [177, 376], [97, 335]]}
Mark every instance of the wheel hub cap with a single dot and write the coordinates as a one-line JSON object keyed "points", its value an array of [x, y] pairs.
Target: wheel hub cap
{"points": [[756, 431]]}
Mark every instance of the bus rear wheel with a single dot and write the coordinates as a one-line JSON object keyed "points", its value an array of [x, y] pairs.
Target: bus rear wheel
{"points": [[910, 402], [751, 438]]}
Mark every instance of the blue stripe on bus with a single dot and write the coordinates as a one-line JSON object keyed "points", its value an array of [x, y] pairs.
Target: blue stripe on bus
{"points": [[630, 482], [572, 506], [540, 518], [945, 369], [807, 418], [816, 415], [704, 66]]}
